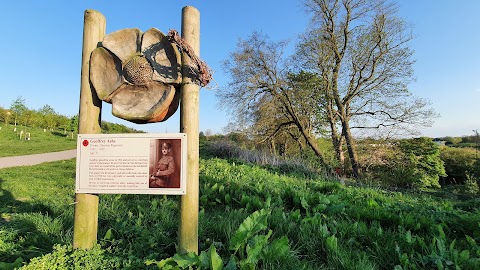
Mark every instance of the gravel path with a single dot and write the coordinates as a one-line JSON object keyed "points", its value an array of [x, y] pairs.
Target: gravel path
{"points": [[28, 160]]}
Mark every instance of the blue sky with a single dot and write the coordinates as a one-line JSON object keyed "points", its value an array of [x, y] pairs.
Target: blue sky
{"points": [[41, 43]]}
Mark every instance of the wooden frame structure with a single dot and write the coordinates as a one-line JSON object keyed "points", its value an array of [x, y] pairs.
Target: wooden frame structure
{"points": [[86, 205]]}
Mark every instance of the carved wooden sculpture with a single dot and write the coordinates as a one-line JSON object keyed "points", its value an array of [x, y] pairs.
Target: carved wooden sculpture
{"points": [[138, 73]]}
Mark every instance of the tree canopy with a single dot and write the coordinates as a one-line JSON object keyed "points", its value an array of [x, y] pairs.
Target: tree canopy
{"points": [[46, 117], [348, 76]]}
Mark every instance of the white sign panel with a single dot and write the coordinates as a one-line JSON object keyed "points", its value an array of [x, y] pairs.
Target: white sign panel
{"points": [[144, 163]]}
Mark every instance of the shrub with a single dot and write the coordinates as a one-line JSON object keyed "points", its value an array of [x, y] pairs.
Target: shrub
{"points": [[471, 184], [409, 163], [65, 257], [459, 162]]}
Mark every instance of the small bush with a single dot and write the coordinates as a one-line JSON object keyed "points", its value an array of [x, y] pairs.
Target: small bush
{"points": [[411, 163], [459, 162], [471, 184], [65, 257]]}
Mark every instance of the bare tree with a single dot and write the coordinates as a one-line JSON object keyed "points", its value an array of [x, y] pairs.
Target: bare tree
{"points": [[360, 50], [261, 95]]}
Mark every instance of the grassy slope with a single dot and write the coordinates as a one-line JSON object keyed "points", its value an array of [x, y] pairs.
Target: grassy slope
{"points": [[40, 141], [329, 226]]}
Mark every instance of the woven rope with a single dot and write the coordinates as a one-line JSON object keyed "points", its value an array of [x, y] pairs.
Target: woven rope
{"points": [[201, 70]]}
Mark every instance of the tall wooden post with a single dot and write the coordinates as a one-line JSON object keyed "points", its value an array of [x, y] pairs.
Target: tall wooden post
{"points": [[86, 205], [189, 111]]}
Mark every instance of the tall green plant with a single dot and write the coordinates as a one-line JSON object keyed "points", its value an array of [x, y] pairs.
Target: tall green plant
{"points": [[249, 246], [422, 157], [410, 163], [459, 162], [18, 107]]}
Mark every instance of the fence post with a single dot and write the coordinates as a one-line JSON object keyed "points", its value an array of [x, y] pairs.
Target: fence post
{"points": [[86, 205], [189, 111]]}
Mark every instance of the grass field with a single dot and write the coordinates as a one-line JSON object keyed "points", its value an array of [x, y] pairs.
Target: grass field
{"points": [[40, 141], [250, 218]]}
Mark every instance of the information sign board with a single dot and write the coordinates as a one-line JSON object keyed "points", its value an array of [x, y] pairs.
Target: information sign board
{"points": [[146, 163]]}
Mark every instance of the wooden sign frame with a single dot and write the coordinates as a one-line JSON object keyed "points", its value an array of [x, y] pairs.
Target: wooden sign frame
{"points": [[86, 204]]}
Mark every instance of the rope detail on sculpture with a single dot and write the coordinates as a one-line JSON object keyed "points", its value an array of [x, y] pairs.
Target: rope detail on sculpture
{"points": [[202, 71]]}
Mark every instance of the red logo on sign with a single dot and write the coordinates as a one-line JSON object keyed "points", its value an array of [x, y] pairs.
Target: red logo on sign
{"points": [[85, 143]]}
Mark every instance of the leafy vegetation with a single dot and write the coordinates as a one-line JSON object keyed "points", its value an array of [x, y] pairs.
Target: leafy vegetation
{"points": [[349, 75], [251, 217], [406, 163], [472, 141], [21, 117], [263, 211], [257, 211], [460, 163]]}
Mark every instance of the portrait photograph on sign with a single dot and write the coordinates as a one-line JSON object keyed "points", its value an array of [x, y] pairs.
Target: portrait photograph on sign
{"points": [[165, 163], [131, 163]]}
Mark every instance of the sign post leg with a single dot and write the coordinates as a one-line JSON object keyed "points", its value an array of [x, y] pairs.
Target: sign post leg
{"points": [[86, 205], [189, 114]]}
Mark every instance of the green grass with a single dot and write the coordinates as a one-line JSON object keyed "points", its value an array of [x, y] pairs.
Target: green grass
{"points": [[36, 208], [328, 225], [40, 141]]}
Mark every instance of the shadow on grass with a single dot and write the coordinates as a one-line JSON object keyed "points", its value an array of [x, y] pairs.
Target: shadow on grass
{"points": [[19, 235]]}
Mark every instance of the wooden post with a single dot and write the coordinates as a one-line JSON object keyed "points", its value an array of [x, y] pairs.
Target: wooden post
{"points": [[86, 205], [189, 111]]}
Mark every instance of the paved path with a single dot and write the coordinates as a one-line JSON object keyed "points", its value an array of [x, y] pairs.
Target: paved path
{"points": [[28, 160]]}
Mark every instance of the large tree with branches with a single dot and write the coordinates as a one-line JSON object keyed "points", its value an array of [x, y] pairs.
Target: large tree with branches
{"points": [[360, 50], [265, 96]]}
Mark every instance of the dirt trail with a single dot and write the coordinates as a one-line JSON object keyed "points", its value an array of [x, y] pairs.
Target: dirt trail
{"points": [[28, 160]]}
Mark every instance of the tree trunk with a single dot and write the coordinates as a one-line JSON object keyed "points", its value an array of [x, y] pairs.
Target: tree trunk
{"points": [[351, 147], [313, 144], [311, 141], [273, 149], [344, 118], [337, 139], [297, 139], [283, 149]]}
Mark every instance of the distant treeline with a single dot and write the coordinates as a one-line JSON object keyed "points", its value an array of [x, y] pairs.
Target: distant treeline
{"points": [[463, 141], [46, 117], [108, 127]]}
